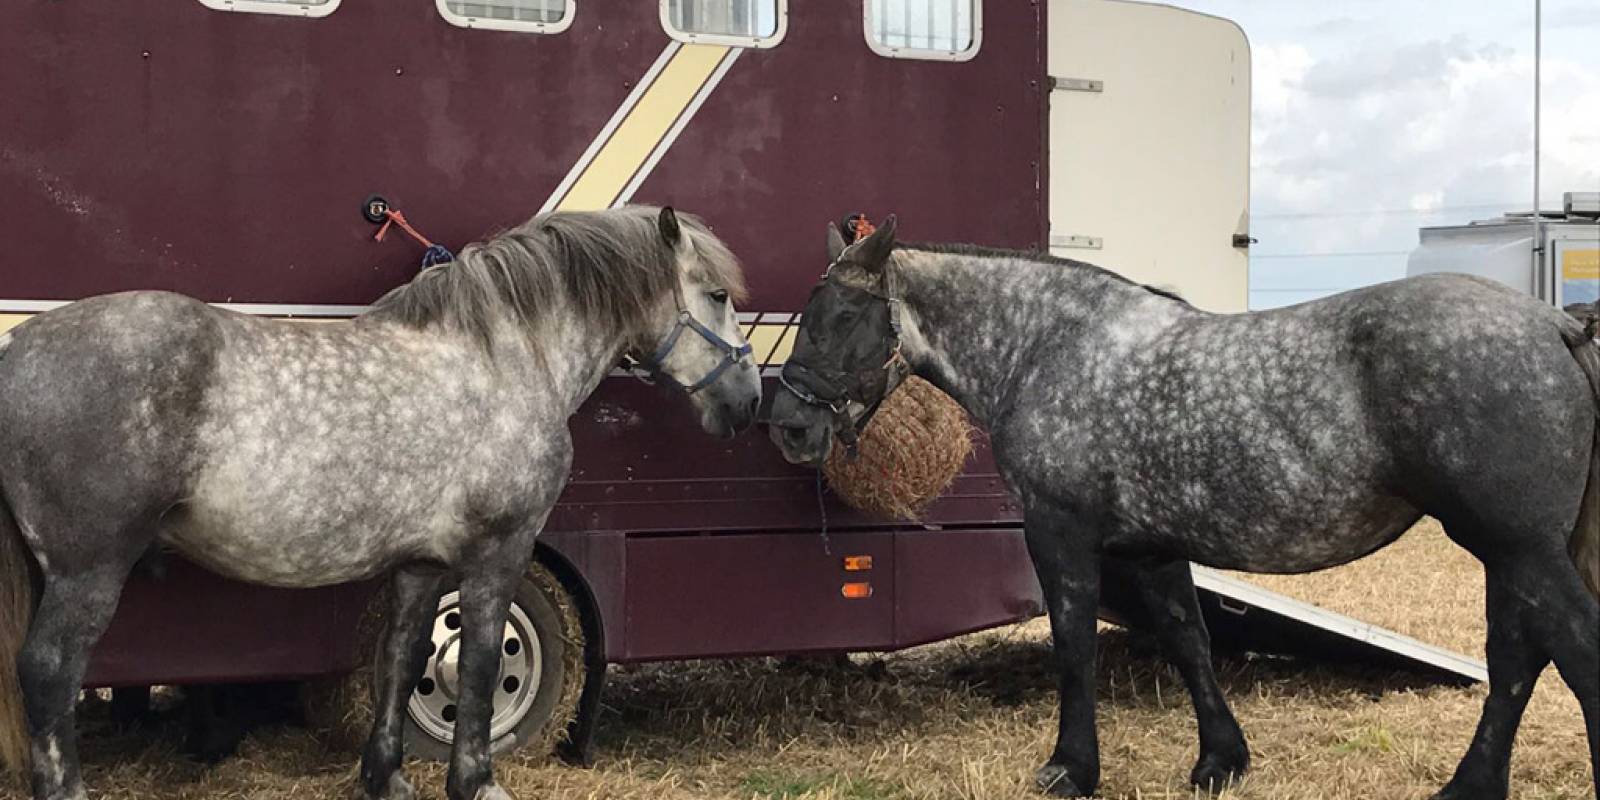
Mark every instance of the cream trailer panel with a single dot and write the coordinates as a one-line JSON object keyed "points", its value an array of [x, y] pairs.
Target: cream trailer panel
{"points": [[1150, 146]]}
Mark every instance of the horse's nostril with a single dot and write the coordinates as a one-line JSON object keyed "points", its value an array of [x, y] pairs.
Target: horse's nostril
{"points": [[753, 406]]}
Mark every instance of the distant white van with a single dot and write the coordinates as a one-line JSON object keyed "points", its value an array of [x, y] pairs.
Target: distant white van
{"points": [[1562, 268]]}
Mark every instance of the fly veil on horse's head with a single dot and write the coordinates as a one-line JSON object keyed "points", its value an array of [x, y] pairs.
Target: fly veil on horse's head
{"points": [[846, 357]]}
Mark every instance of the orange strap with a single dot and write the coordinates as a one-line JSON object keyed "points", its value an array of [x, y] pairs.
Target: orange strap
{"points": [[863, 227], [397, 218]]}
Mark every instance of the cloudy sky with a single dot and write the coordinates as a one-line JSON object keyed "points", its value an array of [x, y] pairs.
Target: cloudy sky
{"points": [[1375, 117]]}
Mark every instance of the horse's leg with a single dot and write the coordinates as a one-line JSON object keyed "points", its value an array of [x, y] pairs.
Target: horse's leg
{"points": [[1167, 590], [1069, 574], [413, 598], [73, 611], [1534, 613], [488, 580], [1564, 619]]}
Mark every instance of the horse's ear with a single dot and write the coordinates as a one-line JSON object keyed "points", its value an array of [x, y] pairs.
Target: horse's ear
{"points": [[667, 222], [836, 242], [873, 252]]}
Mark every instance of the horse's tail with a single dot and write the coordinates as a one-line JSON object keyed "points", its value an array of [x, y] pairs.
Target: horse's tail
{"points": [[16, 607], [1584, 546]]}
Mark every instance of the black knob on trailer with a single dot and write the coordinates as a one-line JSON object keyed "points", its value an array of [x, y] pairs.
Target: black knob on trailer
{"points": [[375, 208]]}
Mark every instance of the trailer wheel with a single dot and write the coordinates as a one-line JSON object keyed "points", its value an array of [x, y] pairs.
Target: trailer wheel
{"points": [[536, 693]]}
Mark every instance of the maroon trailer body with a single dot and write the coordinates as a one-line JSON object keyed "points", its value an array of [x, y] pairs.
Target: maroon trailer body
{"points": [[228, 149], [165, 144]]}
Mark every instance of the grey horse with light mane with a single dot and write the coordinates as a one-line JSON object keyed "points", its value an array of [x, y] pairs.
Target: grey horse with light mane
{"points": [[1141, 433], [425, 438]]}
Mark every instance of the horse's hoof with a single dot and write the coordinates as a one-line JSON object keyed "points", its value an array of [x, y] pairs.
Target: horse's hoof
{"points": [[491, 791], [1474, 785], [1216, 770], [398, 788], [1457, 793], [1052, 780]]}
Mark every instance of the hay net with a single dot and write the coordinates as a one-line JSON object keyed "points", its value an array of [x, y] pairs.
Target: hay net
{"points": [[908, 455]]}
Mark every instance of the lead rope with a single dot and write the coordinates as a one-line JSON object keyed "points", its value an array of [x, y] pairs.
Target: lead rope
{"points": [[435, 254], [822, 511]]}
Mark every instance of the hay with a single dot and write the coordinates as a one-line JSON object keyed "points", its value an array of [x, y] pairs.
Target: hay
{"points": [[16, 606], [339, 709], [908, 455]]}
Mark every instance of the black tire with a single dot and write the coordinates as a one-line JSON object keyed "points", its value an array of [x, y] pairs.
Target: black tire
{"points": [[341, 708]]}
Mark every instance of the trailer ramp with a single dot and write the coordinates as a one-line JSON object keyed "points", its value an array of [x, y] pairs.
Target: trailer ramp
{"points": [[1242, 616]]}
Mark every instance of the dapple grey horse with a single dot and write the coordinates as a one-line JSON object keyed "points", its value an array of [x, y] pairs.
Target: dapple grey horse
{"points": [[1141, 433], [426, 437]]}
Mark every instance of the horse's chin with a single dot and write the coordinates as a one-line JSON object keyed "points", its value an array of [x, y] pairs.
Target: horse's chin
{"points": [[811, 452], [724, 418], [718, 423], [813, 461]]}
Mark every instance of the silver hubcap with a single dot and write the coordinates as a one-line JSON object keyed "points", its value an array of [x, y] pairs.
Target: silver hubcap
{"points": [[433, 701]]}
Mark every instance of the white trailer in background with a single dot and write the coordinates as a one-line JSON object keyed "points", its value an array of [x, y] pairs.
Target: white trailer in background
{"points": [[1149, 172], [1150, 146], [1555, 258]]}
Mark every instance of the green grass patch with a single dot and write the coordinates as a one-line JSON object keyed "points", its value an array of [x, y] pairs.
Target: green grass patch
{"points": [[776, 785], [1372, 739]]}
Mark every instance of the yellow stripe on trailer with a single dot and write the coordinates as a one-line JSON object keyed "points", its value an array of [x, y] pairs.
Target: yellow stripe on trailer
{"points": [[9, 321], [645, 127], [770, 343]]}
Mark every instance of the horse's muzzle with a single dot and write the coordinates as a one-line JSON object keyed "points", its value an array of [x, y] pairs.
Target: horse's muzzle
{"points": [[803, 433]]}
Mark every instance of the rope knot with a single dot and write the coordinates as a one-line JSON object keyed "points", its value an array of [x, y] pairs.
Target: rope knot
{"points": [[434, 254]]}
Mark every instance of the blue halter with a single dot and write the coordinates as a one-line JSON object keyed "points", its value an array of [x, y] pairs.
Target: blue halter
{"points": [[731, 355]]}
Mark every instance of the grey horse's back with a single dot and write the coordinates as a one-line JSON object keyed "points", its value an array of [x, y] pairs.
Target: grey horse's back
{"points": [[1463, 370], [100, 393]]}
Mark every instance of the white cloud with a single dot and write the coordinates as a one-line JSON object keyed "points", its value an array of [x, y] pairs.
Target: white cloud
{"points": [[1372, 118], [1428, 126]]}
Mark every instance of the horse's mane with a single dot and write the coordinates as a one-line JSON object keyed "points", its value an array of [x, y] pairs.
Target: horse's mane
{"points": [[980, 251], [611, 267]]}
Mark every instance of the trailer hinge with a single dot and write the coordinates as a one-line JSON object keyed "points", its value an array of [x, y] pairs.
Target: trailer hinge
{"points": [[1243, 240], [1076, 84], [1079, 242]]}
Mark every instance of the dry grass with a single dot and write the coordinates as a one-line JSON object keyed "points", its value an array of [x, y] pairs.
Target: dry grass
{"points": [[970, 719], [907, 456]]}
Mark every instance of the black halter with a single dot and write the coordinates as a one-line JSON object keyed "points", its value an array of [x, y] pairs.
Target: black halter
{"points": [[835, 391], [731, 354]]}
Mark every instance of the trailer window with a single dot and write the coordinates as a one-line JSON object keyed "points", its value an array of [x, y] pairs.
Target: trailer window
{"points": [[298, 8], [534, 16], [743, 23], [943, 30]]}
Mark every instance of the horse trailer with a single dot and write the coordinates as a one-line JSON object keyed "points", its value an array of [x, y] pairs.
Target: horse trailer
{"points": [[241, 152]]}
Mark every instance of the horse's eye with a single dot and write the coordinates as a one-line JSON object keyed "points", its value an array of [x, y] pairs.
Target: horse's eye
{"points": [[718, 296]]}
